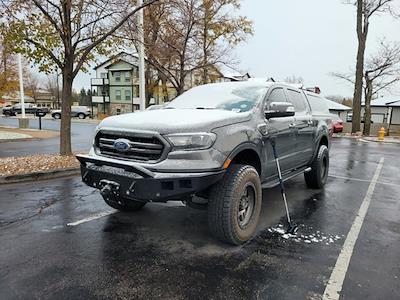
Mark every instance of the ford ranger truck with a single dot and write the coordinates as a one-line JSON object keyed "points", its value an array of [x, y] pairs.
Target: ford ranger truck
{"points": [[210, 148]]}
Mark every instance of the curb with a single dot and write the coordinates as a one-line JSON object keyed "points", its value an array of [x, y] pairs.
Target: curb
{"points": [[380, 142], [39, 175], [19, 140]]}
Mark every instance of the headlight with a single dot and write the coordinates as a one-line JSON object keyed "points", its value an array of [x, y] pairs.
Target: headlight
{"points": [[191, 141]]}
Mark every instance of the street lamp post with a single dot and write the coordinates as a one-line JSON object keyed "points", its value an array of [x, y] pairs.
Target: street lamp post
{"points": [[23, 121]]}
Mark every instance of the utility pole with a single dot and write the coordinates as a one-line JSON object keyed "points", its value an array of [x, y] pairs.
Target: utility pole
{"points": [[21, 86], [142, 80], [23, 122]]}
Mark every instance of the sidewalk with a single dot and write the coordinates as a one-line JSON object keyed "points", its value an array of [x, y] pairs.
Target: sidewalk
{"points": [[8, 134]]}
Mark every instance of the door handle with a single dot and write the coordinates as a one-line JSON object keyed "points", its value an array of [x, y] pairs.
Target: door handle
{"points": [[292, 125]]}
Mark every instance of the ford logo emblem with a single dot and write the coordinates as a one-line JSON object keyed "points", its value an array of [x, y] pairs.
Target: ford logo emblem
{"points": [[122, 145]]}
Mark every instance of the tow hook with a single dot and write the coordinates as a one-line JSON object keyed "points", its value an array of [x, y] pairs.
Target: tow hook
{"points": [[109, 188]]}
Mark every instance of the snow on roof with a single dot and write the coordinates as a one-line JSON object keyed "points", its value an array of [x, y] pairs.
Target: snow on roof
{"points": [[386, 101], [228, 72], [336, 106], [332, 105]]}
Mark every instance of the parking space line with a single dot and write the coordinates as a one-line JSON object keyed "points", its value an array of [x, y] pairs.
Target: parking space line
{"points": [[363, 180], [335, 283], [91, 218]]}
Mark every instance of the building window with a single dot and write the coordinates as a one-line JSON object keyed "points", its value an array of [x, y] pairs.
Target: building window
{"points": [[103, 75], [118, 95], [117, 76], [127, 76], [128, 95]]}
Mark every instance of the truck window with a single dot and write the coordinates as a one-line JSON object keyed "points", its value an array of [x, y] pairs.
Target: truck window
{"points": [[318, 105], [298, 101], [277, 95]]}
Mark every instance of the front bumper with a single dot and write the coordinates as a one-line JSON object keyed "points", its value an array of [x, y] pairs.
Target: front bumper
{"points": [[138, 183]]}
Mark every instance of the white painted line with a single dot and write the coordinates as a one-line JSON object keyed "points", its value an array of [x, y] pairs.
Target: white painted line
{"points": [[335, 283], [363, 180], [91, 218]]}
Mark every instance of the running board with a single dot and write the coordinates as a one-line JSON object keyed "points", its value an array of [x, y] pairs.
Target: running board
{"points": [[290, 175]]}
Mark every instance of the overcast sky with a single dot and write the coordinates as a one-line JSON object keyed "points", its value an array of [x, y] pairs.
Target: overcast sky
{"points": [[308, 38]]}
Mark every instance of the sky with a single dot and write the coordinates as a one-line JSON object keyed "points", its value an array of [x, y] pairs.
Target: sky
{"points": [[308, 38]]}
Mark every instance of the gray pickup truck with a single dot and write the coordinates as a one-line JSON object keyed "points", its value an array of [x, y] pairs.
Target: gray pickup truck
{"points": [[211, 148]]}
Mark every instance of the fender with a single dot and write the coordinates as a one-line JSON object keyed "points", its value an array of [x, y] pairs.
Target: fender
{"points": [[318, 142], [247, 146]]}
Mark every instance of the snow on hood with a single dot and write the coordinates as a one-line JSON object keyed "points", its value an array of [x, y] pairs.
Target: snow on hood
{"points": [[166, 121]]}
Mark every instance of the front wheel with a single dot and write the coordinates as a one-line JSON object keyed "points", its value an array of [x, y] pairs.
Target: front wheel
{"points": [[124, 204], [318, 175], [81, 116], [235, 204]]}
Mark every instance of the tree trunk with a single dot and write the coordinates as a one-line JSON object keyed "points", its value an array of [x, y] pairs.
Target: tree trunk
{"points": [[66, 96], [362, 31], [367, 114]]}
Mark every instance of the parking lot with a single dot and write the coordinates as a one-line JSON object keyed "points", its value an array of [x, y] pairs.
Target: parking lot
{"points": [[60, 241]]}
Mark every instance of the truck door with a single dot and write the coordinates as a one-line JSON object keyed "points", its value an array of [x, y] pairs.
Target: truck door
{"points": [[283, 131], [304, 127]]}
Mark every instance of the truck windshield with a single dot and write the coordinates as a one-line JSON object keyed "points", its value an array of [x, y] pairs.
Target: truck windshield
{"points": [[230, 96]]}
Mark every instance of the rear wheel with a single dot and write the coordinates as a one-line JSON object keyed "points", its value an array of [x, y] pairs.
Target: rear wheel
{"points": [[81, 116], [235, 204], [318, 175], [124, 204], [57, 116]]}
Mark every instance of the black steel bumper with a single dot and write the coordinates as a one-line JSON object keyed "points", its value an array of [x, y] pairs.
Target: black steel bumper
{"points": [[136, 182]]}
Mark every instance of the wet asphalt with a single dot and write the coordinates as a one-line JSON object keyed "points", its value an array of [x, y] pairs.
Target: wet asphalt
{"points": [[166, 252], [81, 135]]}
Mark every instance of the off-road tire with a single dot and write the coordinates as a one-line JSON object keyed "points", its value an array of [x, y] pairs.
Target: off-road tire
{"points": [[224, 203], [126, 205], [316, 178]]}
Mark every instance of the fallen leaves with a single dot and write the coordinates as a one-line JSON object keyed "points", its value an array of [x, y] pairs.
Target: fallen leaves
{"points": [[36, 164]]}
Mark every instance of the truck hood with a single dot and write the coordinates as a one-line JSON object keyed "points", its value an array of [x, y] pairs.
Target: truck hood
{"points": [[165, 121]]}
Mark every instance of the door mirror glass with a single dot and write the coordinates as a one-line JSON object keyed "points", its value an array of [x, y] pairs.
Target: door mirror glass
{"points": [[279, 110]]}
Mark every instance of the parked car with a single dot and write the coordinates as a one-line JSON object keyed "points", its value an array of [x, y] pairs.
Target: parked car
{"points": [[349, 118], [76, 111], [337, 124], [30, 108], [213, 143]]}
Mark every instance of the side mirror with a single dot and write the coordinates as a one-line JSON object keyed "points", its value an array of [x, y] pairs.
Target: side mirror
{"points": [[279, 110]]}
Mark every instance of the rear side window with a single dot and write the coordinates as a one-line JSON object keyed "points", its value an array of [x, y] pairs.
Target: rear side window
{"points": [[318, 105], [298, 101]]}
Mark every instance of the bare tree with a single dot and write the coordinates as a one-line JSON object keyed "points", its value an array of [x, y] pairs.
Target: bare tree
{"points": [[66, 34], [52, 85], [189, 38], [32, 85], [294, 79], [382, 71], [365, 10]]}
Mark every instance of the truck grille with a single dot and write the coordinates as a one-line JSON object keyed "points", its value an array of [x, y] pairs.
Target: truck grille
{"points": [[143, 147]]}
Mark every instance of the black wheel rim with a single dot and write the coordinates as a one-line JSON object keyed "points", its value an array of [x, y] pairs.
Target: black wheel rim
{"points": [[246, 205]]}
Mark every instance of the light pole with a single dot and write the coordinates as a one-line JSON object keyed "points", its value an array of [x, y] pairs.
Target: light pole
{"points": [[23, 122], [142, 81]]}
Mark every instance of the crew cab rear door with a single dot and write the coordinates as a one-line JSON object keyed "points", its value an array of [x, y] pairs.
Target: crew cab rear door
{"points": [[304, 127]]}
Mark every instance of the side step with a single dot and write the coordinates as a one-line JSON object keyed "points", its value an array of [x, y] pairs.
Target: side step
{"points": [[287, 176]]}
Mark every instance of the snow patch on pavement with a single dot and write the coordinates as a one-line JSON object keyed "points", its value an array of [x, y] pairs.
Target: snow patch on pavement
{"points": [[312, 238]]}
